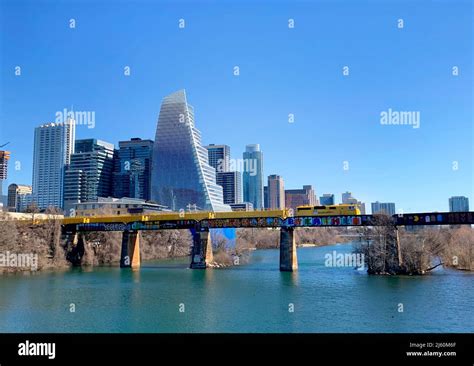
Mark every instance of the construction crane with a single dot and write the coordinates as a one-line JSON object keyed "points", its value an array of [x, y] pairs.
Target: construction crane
{"points": [[4, 144]]}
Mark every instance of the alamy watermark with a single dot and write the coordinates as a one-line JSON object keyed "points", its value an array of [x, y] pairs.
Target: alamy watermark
{"points": [[19, 260], [86, 118], [238, 165], [392, 117], [335, 259]]}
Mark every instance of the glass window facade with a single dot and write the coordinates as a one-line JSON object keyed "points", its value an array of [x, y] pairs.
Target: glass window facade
{"points": [[181, 175]]}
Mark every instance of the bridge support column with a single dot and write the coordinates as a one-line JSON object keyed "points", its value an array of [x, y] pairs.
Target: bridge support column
{"points": [[288, 259], [130, 255], [399, 249], [75, 243], [201, 253]]}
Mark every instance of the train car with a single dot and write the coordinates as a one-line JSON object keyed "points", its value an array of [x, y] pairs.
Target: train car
{"points": [[328, 210]]}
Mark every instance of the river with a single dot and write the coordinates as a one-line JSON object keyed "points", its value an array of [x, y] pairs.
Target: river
{"points": [[166, 296]]}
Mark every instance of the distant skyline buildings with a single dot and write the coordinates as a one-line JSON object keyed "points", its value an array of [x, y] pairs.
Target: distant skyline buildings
{"points": [[52, 150], [231, 183], [387, 208], [276, 192], [458, 204], [327, 199], [132, 169], [19, 197], [181, 174], [4, 157], [300, 197], [253, 176]]}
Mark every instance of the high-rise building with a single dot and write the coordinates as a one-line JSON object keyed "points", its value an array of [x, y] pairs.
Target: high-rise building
{"points": [[383, 207], [458, 204], [300, 197], [4, 157], [132, 171], [181, 174], [276, 192], [53, 147], [231, 183], [253, 176], [19, 197], [89, 174], [327, 199], [265, 197], [346, 196], [219, 157]]}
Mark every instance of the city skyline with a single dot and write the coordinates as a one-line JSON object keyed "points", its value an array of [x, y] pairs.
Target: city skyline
{"points": [[417, 168]]}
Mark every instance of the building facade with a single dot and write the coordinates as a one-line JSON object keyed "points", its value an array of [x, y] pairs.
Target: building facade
{"points": [[116, 206], [300, 197], [181, 174], [219, 157], [231, 183], [383, 207], [458, 204], [276, 192], [4, 157], [19, 197], [53, 147], [327, 199], [132, 170], [89, 174], [253, 176]]}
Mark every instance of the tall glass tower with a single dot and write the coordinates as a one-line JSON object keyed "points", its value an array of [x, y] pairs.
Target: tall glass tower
{"points": [[253, 176], [181, 176], [53, 147]]}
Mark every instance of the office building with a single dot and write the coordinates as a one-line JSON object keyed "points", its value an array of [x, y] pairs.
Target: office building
{"points": [[327, 199], [231, 183], [53, 147], [387, 208], [19, 197], [253, 176], [132, 170], [300, 197], [458, 204], [219, 157], [181, 174], [89, 174], [276, 192]]}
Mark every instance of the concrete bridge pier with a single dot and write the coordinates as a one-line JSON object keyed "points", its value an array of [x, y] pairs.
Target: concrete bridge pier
{"points": [[76, 247], [201, 253], [130, 255], [288, 259]]}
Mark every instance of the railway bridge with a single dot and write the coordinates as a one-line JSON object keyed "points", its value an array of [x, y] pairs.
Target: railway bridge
{"points": [[199, 223]]}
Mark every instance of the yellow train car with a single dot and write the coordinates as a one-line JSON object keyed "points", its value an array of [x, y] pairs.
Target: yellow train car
{"points": [[251, 214], [328, 210]]}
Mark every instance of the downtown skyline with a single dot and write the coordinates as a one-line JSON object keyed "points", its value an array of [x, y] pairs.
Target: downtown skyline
{"points": [[336, 118]]}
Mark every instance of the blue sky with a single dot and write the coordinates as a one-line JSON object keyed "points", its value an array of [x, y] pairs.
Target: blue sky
{"points": [[282, 71]]}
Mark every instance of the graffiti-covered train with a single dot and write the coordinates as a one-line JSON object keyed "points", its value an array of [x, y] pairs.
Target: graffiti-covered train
{"points": [[328, 210]]}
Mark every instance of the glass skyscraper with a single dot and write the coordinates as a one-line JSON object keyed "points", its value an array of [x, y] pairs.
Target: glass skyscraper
{"points": [[458, 204], [89, 175], [253, 176], [132, 172], [53, 146], [219, 157], [181, 176]]}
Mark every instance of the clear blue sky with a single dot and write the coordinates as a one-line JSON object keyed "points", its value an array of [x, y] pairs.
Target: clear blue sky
{"points": [[282, 71]]}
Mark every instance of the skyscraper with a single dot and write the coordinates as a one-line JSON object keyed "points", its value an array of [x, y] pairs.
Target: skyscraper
{"points": [[458, 204], [89, 174], [53, 146], [300, 197], [253, 176], [231, 183], [346, 196], [181, 174], [219, 157], [132, 171], [327, 199], [19, 197], [4, 157], [383, 207], [276, 192]]}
